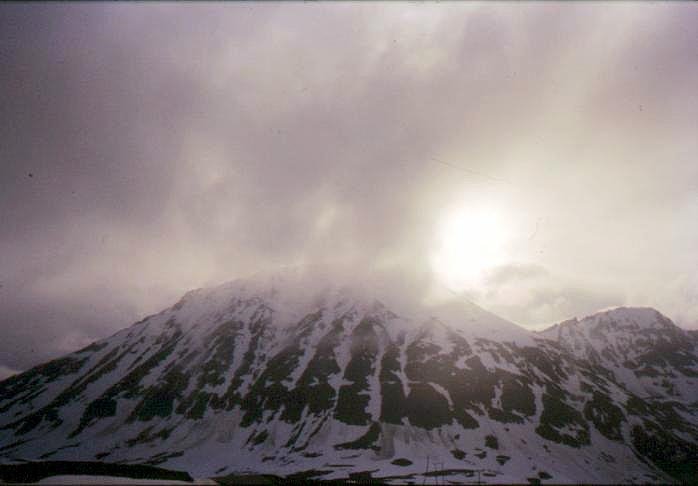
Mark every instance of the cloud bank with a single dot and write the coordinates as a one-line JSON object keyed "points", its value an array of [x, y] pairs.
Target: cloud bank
{"points": [[147, 149]]}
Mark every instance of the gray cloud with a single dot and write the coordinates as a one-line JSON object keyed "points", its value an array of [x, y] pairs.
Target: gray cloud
{"points": [[529, 294], [175, 146]]}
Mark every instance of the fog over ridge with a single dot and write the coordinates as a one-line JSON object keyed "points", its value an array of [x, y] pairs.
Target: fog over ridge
{"points": [[149, 149]]}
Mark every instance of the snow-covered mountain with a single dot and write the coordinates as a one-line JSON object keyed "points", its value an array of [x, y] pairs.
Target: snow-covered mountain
{"points": [[288, 374], [644, 350]]}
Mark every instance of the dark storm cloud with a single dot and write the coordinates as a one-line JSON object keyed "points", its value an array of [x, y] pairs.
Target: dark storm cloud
{"points": [[176, 145]]}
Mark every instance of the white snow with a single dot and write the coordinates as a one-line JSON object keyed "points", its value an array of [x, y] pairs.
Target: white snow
{"points": [[87, 479]]}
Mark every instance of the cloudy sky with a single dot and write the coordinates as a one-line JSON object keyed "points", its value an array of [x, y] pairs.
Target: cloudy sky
{"points": [[540, 159]]}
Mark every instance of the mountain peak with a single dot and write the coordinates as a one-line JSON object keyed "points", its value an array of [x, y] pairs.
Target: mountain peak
{"points": [[614, 319], [293, 292], [637, 338], [631, 317]]}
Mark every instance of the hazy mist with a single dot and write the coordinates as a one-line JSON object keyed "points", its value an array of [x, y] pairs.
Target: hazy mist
{"points": [[148, 149]]}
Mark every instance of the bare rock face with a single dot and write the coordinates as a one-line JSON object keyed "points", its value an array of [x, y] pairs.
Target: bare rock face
{"points": [[296, 376]]}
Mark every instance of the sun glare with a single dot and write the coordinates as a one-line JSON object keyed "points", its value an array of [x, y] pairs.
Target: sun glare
{"points": [[470, 241]]}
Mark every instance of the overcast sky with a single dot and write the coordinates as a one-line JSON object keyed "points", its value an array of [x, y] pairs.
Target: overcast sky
{"points": [[147, 149]]}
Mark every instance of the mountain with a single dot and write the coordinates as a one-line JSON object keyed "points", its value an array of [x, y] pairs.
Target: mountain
{"points": [[291, 374], [644, 350]]}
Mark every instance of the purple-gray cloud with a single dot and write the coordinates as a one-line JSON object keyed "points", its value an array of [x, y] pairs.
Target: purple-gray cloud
{"points": [[146, 149]]}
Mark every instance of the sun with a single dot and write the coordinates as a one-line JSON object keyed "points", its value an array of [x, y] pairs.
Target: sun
{"points": [[470, 241]]}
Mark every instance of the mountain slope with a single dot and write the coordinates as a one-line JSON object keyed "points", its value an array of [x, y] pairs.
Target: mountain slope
{"points": [[643, 348], [657, 362], [282, 375]]}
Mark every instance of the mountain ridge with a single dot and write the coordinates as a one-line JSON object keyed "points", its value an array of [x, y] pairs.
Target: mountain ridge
{"points": [[263, 376]]}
